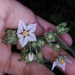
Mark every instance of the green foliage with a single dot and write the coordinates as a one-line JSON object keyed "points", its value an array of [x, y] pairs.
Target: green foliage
{"points": [[61, 28], [10, 38]]}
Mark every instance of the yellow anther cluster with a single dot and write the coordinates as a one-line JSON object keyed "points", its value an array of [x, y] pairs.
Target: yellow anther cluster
{"points": [[25, 33], [62, 61]]}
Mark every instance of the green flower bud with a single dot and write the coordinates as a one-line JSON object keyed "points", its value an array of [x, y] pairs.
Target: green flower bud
{"points": [[57, 46], [29, 58], [34, 45], [10, 37], [40, 43], [50, 36], [39, 55], [61, 28], [50, 44]]}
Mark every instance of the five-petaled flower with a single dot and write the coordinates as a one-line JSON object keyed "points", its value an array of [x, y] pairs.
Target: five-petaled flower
{"points": [[25, 33], [61, 62]]}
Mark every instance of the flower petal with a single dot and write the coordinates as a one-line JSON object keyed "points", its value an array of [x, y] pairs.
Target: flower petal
{"points": [[67, 60], [23, 41], [19, 35], [19, 31], [31, 27], [21, 25], [54, 65], [62, 66], [33, 36]]}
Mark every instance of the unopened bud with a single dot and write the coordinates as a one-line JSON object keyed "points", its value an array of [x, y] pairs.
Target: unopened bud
{"points": [[40, 43], [30, 56]]}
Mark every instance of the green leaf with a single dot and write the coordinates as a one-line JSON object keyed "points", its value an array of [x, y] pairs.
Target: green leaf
{"points": [[57, 18]]}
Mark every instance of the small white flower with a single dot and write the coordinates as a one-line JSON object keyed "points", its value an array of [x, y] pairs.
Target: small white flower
{"points": [[61, 62], [30, 56], [25, 33]]}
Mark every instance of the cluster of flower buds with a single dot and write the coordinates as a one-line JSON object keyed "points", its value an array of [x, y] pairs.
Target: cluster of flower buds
{"points": [[32, 44], [10, 37], [61, 28]]}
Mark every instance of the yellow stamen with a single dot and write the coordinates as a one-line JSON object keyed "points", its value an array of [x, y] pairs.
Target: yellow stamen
{"points": [[62, 61], [25, 33]]}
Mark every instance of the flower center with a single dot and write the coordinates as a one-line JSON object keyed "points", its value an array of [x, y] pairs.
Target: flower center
{"points": [[62, 61], [25, 33]]}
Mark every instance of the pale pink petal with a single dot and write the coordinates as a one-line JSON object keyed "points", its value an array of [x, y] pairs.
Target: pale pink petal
{"points": [[33, 36], [21, 25], [54, 64], [31, 27]]}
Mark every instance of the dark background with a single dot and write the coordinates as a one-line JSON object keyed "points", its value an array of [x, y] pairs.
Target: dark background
{"points": [[54, 11]]}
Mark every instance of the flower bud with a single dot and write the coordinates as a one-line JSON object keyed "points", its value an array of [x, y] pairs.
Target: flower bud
{"points": [[40, 43], [39, 55], [56, 46], [61, 28], [50, 36], [34, 45], [30, 56], [10, 37]]}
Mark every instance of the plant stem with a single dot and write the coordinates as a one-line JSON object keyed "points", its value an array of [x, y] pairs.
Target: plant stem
{"points": [[30, 46]]}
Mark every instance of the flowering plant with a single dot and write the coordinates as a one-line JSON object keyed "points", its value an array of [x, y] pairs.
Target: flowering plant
{"points": [[31, 44], [61, 62], [25, 33]]}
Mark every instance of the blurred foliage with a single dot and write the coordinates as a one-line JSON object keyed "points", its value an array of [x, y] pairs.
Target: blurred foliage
{"points": [[54, 11]]}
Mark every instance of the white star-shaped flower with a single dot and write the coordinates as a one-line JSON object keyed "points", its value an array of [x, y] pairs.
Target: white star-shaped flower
{"points": [[25, 33], [61, 62]]}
